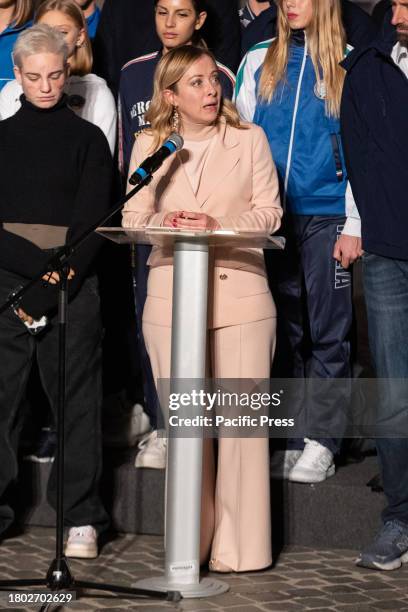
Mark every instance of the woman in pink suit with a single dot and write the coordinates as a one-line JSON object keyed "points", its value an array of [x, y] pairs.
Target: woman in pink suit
{"points": [[223, 178]]}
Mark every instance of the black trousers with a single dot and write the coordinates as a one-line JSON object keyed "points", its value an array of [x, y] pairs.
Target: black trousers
{"points": [[83, 444]]}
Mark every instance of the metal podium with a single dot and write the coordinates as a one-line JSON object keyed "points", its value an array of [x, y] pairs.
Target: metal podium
{"points": [[188, 361]]}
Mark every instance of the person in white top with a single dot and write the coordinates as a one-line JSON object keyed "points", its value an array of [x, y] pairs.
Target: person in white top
{"points": [[89, 95]]}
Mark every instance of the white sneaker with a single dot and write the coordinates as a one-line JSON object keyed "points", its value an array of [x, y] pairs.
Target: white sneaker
{"points": [[152, 452], [315, 465], [282, 462], [82, 543]]}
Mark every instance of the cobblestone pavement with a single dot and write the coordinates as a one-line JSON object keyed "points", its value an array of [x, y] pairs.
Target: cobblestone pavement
{"points": [[302, 579]]}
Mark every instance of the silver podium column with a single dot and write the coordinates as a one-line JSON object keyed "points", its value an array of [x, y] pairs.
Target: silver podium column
{"points": [[184, 469]]}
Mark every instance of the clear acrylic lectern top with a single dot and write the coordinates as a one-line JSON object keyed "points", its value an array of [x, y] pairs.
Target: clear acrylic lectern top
{"points": [[166, 237]]}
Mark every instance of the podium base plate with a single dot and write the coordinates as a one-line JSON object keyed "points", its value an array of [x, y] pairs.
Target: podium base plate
{"points": [[207, 587]]}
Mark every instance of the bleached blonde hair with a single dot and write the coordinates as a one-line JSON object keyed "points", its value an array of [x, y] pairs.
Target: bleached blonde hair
{"points": [[40, 38], [327, 45]]}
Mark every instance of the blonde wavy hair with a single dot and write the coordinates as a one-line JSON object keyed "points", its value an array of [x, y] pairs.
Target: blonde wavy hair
{"points": [[171, 68], [81, 62], [327, 45]]}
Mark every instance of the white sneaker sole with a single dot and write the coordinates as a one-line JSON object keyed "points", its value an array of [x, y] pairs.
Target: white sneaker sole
{"points": [[387, 567], [81, 552], [35, 459], [310, 478]]}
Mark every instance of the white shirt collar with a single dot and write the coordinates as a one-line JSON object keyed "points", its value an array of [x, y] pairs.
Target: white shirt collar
{"points": [[399, 53]]}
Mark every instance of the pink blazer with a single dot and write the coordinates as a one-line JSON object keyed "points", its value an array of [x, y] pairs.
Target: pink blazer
{"points": [[239, 187]]}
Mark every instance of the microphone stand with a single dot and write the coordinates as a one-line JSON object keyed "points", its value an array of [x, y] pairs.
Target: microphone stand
{"points": [[59, 576]]}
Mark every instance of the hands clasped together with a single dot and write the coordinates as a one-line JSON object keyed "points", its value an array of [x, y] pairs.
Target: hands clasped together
{"points": [[187, 219]]}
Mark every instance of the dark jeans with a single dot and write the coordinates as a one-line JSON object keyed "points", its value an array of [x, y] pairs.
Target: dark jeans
{"points": [[83, 453], [313, 295], [140, 271], [386, 294]]}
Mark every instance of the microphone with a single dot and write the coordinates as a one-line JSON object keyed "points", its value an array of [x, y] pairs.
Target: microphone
{"points": [[151, 164]]}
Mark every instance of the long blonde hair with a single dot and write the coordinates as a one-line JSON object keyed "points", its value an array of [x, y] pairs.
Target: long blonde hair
{"points": [[23, 10], [170, 69], [81, 62], [327, 45]]}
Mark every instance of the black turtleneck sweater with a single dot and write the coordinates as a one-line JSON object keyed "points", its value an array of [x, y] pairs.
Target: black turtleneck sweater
{"points": [[55, 169]]}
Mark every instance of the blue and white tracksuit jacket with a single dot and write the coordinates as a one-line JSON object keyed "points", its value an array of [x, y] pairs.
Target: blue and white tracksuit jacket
{"points": [[305, 142], [135, 92]]}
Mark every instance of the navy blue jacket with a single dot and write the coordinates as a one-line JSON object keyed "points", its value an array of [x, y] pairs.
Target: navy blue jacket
{"points": [[360, 29], [379, 11], [374, 123]]}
